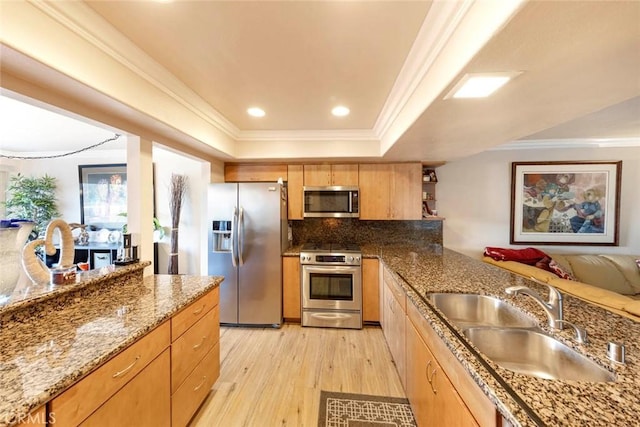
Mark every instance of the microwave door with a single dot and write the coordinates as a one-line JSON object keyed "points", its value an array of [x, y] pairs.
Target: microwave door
{"points": [[327, 203]]}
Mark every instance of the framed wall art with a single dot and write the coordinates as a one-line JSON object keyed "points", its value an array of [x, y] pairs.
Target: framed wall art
{"points": [[565, 203], [103, 195]]}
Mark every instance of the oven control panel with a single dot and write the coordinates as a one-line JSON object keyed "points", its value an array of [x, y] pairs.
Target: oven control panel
{"points": [[330, 259]]}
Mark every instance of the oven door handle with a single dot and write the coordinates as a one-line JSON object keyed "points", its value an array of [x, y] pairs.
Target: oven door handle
{"points": [[331, 268]]}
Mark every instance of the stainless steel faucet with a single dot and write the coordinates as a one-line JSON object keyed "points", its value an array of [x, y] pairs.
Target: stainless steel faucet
{"points": [[553, 307]]}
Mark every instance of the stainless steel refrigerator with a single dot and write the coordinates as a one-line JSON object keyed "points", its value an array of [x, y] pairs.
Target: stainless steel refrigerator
{"points": [[247, 235]]}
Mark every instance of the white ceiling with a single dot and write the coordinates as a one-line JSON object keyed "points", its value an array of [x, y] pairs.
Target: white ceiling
{"points": [[297, 59]]}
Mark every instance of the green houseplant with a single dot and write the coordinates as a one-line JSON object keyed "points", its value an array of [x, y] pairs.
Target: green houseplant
{"points": [[32, 198]]}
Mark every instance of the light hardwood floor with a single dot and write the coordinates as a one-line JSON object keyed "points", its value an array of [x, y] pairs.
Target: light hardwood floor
{"points": [[273, 377]]}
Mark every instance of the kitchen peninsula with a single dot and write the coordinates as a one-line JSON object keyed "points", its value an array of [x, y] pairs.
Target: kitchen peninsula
{"points": [[521, 399], [116, 330]]}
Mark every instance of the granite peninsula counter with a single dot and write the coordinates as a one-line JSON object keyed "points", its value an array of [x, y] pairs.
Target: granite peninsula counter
{"points": [[49, 346], [521, 399]]}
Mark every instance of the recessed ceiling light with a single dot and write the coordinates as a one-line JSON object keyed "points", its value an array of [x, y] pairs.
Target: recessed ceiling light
{"points": [[480, 85], [340, 111], [256, 112]]}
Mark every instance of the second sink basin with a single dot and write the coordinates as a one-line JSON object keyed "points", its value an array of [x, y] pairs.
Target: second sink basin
{"points": [[534, 353], [467, 310]]}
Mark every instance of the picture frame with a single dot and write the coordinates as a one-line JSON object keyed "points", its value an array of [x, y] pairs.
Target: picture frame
{"points": [[565, 203], [103, 195]]}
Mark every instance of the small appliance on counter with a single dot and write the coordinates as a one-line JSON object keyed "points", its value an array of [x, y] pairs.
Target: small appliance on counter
{"points": [[127, 254]]}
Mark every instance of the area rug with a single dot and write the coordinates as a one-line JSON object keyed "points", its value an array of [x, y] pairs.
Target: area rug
{"points": [[361, 410]]}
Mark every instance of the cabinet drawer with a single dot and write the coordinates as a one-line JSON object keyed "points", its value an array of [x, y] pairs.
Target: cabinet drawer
{"points": [[190, 348], [190, 395], [79, 401], [144, 401], [192, 313]]}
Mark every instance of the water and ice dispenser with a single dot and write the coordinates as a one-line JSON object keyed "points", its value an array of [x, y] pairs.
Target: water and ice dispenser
{"points": [[222, 240]]}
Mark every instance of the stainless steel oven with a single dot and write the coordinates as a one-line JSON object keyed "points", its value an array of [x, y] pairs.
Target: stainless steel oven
{"points": [[331, 280]]}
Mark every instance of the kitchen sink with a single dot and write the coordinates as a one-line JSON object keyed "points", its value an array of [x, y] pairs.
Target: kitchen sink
{"points": [[468, 310], [532, 352]]}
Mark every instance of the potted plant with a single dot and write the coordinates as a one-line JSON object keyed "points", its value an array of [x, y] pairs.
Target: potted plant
{"points": [[32, 198]]}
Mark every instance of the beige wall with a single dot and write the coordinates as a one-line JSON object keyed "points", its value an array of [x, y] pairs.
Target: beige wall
{"points": [[474, 195]]}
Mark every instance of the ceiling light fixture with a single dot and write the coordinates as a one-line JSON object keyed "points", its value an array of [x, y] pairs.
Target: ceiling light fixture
{"points": [[340, 111], [480, 85], [256, 112]]}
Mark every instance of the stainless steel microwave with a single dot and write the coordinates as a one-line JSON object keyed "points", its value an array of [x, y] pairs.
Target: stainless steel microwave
{"points": [[331, 202]]}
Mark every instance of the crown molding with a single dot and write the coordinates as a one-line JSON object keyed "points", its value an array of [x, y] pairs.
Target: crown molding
{"points": [[307, 135], [440, 23], [536, 144], [90, 26]]}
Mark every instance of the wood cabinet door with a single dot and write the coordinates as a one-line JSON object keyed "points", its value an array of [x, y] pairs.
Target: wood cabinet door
{"points": [[370, 291], [374, 183], [294, 191], [291, 309], [344, 175], [254, 173], [448, 408], [317, 175], [144, 401], [406, 191], [418, 389], [394, 331]]}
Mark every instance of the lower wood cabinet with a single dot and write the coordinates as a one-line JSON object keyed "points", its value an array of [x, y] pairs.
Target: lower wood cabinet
{"points": [[370, 290], [439, 389], [393, 326], [186, 400], [433, 398], [144, 401], [291, 310], [160, 380], [82, 399]]}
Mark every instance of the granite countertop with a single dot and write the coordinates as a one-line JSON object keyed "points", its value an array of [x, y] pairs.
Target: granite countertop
{"points": [[44, 351], [523, 400], [531, 401]]}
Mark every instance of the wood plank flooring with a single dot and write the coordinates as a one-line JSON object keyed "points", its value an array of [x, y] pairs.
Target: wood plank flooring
{"points": [[273, 377]]}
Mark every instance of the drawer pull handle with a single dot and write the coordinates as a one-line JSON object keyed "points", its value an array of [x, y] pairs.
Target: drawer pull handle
{"points": [[198, 311], [204, 378], [127, 369], [197, 346], [426, 371], [433, 375]]}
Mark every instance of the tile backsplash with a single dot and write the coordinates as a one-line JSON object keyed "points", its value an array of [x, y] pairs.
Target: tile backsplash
{"points": [[349, 230]]}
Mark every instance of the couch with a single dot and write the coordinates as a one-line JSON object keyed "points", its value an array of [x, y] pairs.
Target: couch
{"points": [[609, 281]]}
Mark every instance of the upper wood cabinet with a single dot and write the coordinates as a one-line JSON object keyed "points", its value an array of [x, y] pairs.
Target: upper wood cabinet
{"points": [[390, 191], [294, 191], [254, 173], [322, 175]]}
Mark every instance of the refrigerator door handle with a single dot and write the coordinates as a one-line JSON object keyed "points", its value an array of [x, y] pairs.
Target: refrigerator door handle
{"points": [[241, 237], [234, 225]]}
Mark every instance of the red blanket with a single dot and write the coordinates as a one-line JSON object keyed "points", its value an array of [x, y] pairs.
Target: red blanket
{"points": [[530, 256]]}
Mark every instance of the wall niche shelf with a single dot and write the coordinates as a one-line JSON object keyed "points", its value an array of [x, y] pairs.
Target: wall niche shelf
{"points": [[429, 181]]}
